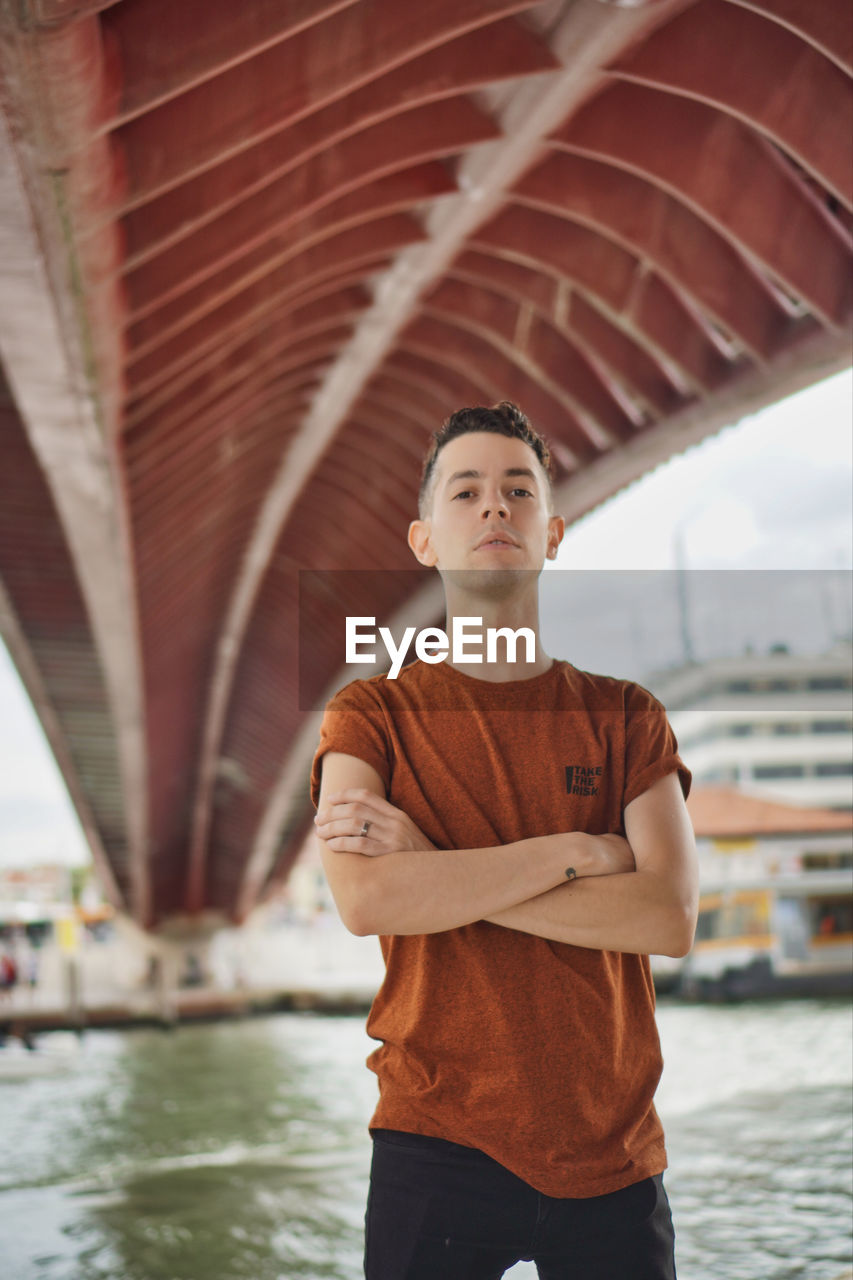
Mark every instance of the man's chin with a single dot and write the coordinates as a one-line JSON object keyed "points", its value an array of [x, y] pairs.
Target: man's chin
{"points": [[489, 584]]}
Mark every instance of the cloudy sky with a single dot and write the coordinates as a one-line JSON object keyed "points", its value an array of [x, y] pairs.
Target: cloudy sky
{"points": [[773, 492]]}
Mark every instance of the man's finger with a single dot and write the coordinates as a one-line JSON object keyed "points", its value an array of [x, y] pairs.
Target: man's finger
{"points": [[356, 844], [357, 809], [361, 796], [347, 844], [348, 826]]}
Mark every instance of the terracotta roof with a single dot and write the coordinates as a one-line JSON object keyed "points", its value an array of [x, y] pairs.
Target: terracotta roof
{"points": [[722, 811]]}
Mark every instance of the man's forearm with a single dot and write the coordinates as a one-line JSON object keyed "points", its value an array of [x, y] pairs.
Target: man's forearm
{"points": [[643, 912], [651, 911], [428, 891], [387, 878]]}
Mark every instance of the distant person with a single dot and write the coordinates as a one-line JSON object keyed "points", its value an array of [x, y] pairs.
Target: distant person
{"points": [[8, 974], [31, 968], [193, 974], [827, 924], [516, 833], [20, 1031]]}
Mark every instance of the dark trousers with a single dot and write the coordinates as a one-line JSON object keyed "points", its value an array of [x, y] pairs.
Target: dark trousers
{"points": [[441, 1211]]}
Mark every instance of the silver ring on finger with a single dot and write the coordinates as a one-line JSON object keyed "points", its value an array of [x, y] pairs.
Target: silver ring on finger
{"points": [[365, 827]]}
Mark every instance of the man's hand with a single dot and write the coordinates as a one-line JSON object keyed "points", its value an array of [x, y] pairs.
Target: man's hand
{"points": [[652, 911], [605, 855], [386, 829], [407, 890], [345, 814]]}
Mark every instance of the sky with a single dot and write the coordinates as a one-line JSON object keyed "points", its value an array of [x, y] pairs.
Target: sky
{"points": [[774, 492], [771, 492]]}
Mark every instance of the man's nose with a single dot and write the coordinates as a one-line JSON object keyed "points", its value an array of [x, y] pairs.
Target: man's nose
{"points": [[493, 504]]}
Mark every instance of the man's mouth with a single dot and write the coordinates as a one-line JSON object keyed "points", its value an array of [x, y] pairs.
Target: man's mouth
{"points": [[496, 540]]}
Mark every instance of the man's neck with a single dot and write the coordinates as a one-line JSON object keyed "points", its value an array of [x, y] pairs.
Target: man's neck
{"points": [[516, 612]]}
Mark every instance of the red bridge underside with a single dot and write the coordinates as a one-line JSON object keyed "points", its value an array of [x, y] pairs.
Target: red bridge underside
{"points": [[254, 253]]}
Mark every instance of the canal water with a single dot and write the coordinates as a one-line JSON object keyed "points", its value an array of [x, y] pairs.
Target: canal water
{"points": [[239, 1150]]}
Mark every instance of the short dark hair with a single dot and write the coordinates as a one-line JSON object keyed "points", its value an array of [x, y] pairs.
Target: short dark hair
{"points": [[504, 419]]}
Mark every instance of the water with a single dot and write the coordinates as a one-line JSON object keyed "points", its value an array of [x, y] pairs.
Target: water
{"points": [[239, 1150]]}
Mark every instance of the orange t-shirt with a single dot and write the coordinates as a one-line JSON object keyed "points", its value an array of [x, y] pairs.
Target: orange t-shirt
{"points": [[543, 1055]]}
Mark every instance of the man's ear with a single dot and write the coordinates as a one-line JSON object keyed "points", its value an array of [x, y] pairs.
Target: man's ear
{"points": [[420, 540], [556, 529]]}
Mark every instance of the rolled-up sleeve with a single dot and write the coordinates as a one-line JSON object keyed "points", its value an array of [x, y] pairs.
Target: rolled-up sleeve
{"points": [[651, 748], [354, 723]]}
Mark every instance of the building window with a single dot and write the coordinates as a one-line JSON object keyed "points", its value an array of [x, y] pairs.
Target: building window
{"points": [[778, 771], [719, 773], [832, 726], [828, 860], [831, 917], [707, 925], [827, 683], [835, 769]]}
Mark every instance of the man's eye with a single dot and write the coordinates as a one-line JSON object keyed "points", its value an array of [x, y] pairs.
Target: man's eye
{"points": [[521, 493], [463, 493]]}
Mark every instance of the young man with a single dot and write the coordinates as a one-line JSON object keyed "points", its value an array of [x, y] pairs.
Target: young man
{"points": [[516, 833]]}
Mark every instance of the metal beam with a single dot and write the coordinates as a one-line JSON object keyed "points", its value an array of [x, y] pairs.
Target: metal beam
{"points": [[521, 337], [238, 344], [252, 242], [667, 236], [826, 25], [818, 356], [730, 176], [277, 88], [390, 147], [452, 69], [169, 49], [436, 378], [42, 344], [614, 278], [25, 661], [568, 309], [238, 300], [760, 72]]}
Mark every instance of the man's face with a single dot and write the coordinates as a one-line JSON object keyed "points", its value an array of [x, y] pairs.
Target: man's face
{"points": [[490, 509]]}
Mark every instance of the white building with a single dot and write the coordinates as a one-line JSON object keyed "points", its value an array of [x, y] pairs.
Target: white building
{"points": [[776, 725], [776, 898]]}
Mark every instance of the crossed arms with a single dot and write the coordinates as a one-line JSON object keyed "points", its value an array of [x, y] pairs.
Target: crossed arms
{"points": [[637, 894]]}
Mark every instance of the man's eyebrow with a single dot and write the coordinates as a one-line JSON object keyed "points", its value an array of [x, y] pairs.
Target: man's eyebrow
{"points": [[478, 475]]}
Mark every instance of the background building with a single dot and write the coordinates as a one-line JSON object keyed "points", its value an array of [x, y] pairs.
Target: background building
{"points": [[776, 908], [777, 725]]}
